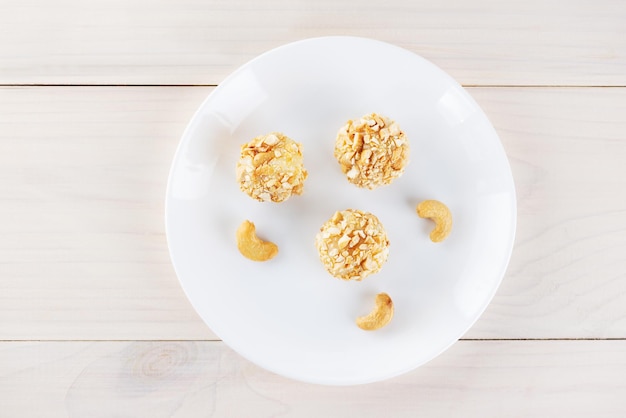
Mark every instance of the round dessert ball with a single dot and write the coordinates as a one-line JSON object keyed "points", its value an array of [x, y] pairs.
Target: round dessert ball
{"points": [[352, 244], [372, 151], [271, 168]]}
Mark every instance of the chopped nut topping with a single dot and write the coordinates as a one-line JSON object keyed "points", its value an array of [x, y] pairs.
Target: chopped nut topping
{"points": [[271, 168], [352, 244], [372, 151]]}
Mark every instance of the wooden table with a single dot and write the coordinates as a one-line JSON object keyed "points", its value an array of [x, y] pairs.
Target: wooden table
{"points": [[94, 97]]}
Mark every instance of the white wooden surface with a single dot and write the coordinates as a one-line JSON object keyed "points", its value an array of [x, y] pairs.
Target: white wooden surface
{"points": [[92, 319], [207, 379], [580, 42]]}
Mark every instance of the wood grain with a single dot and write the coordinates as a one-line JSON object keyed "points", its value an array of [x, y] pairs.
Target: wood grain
{"points": [[83, 174], [202, 379], [567, 276], [82, 183], [483, 42]]}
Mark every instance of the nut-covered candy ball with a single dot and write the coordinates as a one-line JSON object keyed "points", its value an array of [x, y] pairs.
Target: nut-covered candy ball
{"points": [[352, 244], [372, 151], [271, 168]]}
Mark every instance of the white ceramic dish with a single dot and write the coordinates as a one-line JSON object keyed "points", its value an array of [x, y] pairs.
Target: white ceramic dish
{"points": [[289, 315]]}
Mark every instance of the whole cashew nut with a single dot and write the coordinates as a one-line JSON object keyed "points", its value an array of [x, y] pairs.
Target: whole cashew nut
{"points": [[440, 214], [380, 315], [251, 246]]}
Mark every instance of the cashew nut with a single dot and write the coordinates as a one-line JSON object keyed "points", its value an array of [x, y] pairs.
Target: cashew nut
{"points": [[253, 247], [440, 214], [380, 315]]}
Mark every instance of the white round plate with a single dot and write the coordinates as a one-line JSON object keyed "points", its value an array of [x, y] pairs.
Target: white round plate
{"points": [[289, 315]]}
